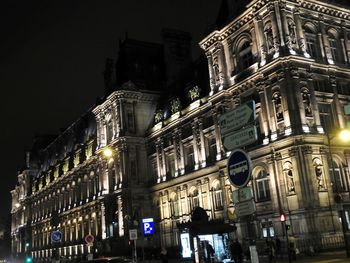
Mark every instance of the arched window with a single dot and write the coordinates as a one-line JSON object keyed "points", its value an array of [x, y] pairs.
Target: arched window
{"points": [[311, 41], [174, 205], [334, 46], [277, 103], [245, 56], [338, 178], [262, 186], [305, 93], [218, 196], [194, 199]]}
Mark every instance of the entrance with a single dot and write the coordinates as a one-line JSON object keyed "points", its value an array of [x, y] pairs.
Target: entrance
{"points": [[219, 243]]}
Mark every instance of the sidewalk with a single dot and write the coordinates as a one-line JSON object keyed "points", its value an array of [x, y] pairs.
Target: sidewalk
{"points": [[324, 257]]}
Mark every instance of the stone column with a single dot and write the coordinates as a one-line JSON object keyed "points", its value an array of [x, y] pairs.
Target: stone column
{"points": [[324, 40], [345, 40], [227, 46], [214, 113], [195, 144], [159, 163], [275, 33], [222, 65], [202, 144], [300, 33], [338, 106], [163, 159], [182, 156], [176, 153], [261, 42], [264, 111], [211, 72]]}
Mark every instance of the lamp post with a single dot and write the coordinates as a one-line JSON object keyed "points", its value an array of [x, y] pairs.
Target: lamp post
{"points": [[344, 135]]}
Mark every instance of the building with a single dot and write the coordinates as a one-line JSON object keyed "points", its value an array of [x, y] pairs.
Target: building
{"points": [[167, 160]]}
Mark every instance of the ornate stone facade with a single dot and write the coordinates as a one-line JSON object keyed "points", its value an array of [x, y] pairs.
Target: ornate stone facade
{"points": [[292, 58]]}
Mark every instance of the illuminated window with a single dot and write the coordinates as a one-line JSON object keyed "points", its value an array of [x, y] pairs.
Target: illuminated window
{"points": [[262, 186], [174, 204], [218, 196]]}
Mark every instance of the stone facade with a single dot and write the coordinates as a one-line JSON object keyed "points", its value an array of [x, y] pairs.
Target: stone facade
{"points": [[292, 58]]}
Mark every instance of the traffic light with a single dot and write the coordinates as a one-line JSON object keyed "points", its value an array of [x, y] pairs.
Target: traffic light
{"points": [[287, 227], [282, 217], [28, 259]]}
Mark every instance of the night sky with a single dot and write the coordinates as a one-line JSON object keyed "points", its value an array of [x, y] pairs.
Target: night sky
{"points": [[52, 57]]}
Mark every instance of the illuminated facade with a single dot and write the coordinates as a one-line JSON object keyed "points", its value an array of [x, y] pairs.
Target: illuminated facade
{"points": [[292, 58]]}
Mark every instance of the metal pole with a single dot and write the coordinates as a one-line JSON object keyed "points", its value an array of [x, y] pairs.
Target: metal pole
{"points": [[342, 212]]}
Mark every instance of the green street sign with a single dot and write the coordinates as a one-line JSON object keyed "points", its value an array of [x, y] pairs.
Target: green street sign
{"points": [[237, 118], [240, 138]]}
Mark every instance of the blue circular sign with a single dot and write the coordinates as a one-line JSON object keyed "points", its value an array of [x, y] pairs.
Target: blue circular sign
{"points": [[239, 168], [56, 236]]}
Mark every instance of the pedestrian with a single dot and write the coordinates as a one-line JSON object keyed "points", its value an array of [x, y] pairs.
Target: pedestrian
{"points": [[211, 252], [236, 251], [278, 247], [164, 255], [271, 250]]}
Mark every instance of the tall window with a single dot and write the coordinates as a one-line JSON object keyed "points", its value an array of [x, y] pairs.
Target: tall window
{"points": [[262, 185], [189, 158], [211, 144], [338, 177], [326, 116], [245, 55], [195, 199], [109, 130], [218, 196], [333, 46], [170, 165], [174, 204], [311, 43]]}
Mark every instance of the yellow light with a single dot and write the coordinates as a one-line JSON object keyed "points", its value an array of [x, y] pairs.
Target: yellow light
{"points": [[107, 152], [344, 135]]}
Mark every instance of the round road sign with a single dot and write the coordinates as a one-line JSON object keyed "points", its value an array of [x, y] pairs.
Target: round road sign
{"points": [[239, 168], [56, 236], [89, 239]]}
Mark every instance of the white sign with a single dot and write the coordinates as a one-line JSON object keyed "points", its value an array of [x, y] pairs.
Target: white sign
{"points": [[237, 117], [133, 234], [242, 194], [240, 138], [185, 243], [245, 208]]}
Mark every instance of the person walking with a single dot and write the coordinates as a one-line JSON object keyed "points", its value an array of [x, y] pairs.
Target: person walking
{"points": [[236, 251], [271, 250], [164, 255]]}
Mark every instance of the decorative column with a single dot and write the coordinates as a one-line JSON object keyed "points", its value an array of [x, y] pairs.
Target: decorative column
{"points": [[214, 113], [222, 65], [176, 152], [276, 40], [264, 111], [300, 33], [211, 72], [288, 35], [182, 156], [227, 46], [159, 162], [260, 39], [202, 143], [195, 144], [338, 105], [344, 41], [325, 42], [121, 116], [163, 159]]}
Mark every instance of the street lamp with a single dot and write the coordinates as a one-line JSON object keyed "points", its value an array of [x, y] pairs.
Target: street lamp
{"points": [[344, 136], [107, 152]]}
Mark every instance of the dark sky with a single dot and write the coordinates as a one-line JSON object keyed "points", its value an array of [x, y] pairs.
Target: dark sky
{"points": [[52, 56]]}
